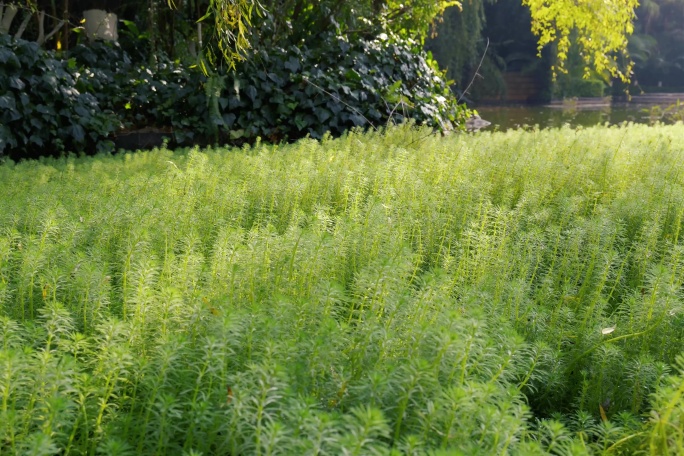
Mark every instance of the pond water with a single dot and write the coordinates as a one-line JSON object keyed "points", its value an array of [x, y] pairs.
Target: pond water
{"points": [[507, 117]]}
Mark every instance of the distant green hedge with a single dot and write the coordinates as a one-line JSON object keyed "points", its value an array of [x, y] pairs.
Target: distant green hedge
{"points": [[294, 91], [278, 94], [43, 107], [568, 86]]}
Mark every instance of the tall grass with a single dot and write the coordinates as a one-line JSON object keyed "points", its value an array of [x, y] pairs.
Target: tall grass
{"points": [[395, 293]]}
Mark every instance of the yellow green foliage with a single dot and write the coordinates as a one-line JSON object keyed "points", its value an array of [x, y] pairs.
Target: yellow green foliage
{"points": [[602, 26]]}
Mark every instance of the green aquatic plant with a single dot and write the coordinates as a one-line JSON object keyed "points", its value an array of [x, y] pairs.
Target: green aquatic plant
{"points": [[381, 293]]}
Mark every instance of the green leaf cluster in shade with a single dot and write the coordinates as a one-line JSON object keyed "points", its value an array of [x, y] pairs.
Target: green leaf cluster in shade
{"points": [[42, 105]]}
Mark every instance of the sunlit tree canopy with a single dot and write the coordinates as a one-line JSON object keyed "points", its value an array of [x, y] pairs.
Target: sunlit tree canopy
{"points": [[602, 28]]}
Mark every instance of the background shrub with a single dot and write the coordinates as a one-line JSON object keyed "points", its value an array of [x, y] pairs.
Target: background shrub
{"points": [[576, 86], [162, 94], [278, 93], [42, 109], [297, 91]]}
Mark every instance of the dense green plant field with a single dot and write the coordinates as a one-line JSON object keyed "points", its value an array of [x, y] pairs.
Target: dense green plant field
{"points": [[509, 293]]}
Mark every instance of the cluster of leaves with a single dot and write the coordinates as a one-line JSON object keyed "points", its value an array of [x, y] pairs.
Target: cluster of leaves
{"points": [[576, 80], [600, 32], [296, 21], [656, 46], [567, 86], [296, 91], [398, 293], [277, 94], [283, 93], [43, 109], [161, 95]]}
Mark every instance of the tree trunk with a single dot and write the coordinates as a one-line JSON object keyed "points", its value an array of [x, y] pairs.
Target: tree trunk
{"points": [[7, 13]]}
